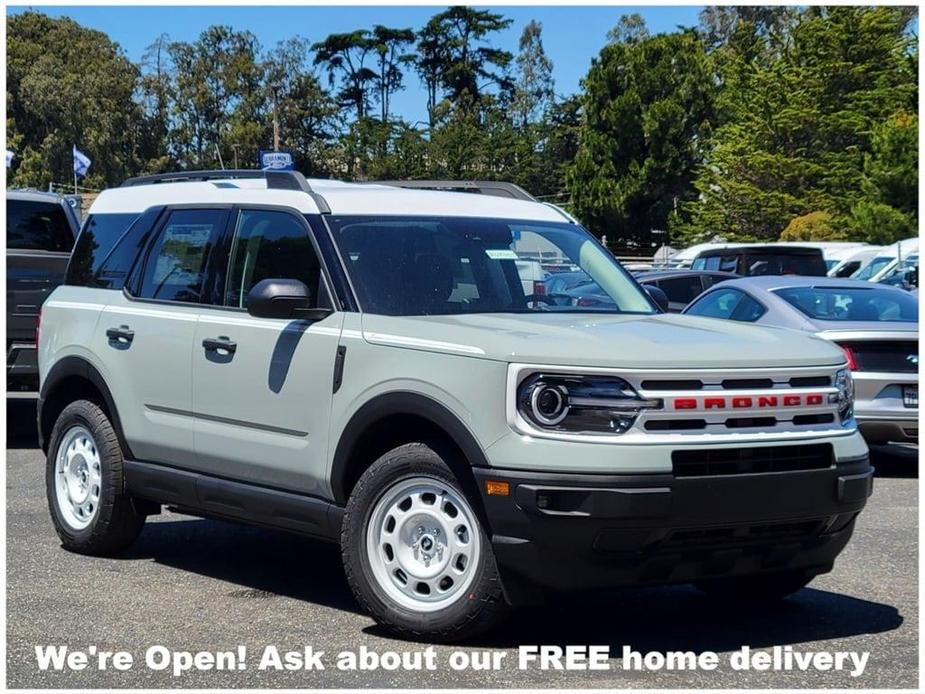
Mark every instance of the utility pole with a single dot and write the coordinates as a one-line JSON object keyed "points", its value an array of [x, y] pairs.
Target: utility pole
{"points": [[235, 148], [275, 118]]}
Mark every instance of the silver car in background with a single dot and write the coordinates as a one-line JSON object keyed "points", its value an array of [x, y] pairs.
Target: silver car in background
{"points": [[876, 325]]}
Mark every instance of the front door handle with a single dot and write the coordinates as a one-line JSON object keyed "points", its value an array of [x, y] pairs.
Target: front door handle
{"points": [[214, 344], [122, 334]]}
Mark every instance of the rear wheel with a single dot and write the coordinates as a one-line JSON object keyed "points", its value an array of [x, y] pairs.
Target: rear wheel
{"points": [[414, 550], [757, 589], [84, 483]]}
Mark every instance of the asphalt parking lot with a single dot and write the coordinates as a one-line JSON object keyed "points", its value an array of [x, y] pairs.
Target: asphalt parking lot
{"points": [[192, 585]]}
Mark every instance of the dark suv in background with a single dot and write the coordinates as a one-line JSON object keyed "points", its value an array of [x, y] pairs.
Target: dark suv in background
{"points": [[762, 259], [40, 232]]}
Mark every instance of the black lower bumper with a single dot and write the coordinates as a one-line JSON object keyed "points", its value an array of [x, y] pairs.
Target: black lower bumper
{"points": [[573, 532]]}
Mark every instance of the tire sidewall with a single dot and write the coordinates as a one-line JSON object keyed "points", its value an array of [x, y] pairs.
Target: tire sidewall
{"points": [[380, 477], [86, 414]]}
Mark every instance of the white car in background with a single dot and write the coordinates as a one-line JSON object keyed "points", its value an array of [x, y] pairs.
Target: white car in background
{"points": [[884, 262], [854, 259]]}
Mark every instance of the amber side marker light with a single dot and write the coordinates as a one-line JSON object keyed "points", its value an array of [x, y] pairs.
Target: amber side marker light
{"points": [[496, 488]]}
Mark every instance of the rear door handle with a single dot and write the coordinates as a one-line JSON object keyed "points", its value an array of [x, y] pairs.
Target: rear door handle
{"points": [[214, 344], [121, 334]]}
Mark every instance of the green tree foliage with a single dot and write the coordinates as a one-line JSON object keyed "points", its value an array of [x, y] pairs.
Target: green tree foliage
{"points": [[534, 91], [390, 46], [309, 116], [798, 111], [344, 57], [878, 223], [647, 109], [762, 121], [67, 85], [219, 97], [815, 226], [453, 55], [631, 28]]}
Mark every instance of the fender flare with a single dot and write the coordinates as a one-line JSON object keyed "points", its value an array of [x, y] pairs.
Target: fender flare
{"points": [[400, 403], [78, 366]]}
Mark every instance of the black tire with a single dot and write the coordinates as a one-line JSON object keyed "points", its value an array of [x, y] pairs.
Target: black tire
{"points": [[117, 522], [483, 605], [760, 589]]}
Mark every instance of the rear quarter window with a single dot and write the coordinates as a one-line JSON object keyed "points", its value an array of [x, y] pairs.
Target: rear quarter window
{"points": [[104, 252], [35, 225]]}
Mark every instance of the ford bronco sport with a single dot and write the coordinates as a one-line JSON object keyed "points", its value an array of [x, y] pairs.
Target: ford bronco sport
{"points": [[362, 364]]}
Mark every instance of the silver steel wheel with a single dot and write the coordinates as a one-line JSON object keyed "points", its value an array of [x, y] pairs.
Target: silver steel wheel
{"points": [[423, 544], [77, 477]]}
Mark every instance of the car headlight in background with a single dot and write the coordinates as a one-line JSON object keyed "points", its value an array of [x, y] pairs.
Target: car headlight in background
{"points": [[845, 395], [589, 404]]}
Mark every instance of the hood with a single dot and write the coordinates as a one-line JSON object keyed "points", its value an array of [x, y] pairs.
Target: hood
{"points": [[662, 341]]}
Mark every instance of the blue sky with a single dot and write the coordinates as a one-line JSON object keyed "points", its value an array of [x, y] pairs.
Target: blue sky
{"points": [[572, 36]]}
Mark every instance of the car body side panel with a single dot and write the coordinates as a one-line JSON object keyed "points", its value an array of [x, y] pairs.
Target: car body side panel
{"points": [[150, 377], [454, 380], [262, 413]]}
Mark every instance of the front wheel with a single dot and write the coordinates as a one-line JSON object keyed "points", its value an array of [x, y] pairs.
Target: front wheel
{"points": [[415, 553]]}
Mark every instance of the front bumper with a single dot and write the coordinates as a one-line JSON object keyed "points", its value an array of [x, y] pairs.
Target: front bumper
{"points": [[579, 531]]}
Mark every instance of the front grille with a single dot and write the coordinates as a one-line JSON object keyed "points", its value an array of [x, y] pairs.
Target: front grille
{"points": [[743, 461], [667, 384], [760, 533], [747, 383], [810, 381], [675, 424]]}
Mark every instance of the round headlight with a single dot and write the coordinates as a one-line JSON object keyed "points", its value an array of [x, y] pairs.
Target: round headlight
{"points": [[549, 404]]}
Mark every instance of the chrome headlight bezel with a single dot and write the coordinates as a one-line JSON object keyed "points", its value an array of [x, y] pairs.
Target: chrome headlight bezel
{"points": [[599, 405], [844, 382]]}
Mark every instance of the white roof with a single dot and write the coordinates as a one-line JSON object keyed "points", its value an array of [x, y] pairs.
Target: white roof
{"points": [[342, 198]]}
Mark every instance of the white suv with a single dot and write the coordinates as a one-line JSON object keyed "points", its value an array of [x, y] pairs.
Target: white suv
{"points": [[362, 364]]}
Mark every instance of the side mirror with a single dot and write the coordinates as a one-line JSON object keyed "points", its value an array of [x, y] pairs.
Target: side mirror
{"points": [[658, 296], [283, 298]]}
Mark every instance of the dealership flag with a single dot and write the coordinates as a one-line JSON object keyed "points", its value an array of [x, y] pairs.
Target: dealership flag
{"points": [[9, 158], [81, 163]]}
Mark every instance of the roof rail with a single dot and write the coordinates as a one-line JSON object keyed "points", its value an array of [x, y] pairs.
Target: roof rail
{"points": [[501, 189], [276, 180]]}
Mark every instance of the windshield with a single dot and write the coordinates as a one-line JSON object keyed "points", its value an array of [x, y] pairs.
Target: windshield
{"points": [[876, 304], [872, 268], [416, 266]]}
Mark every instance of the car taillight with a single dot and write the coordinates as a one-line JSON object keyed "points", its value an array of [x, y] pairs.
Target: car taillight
{"points": [[539, 288], [851, 357]]}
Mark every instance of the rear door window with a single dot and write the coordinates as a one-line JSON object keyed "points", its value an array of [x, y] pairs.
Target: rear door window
{"points": [[102, 256], [176, 265], [37, 226]]}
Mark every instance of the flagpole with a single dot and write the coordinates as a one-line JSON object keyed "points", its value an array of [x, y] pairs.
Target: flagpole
{"points": [[75, 183]]}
